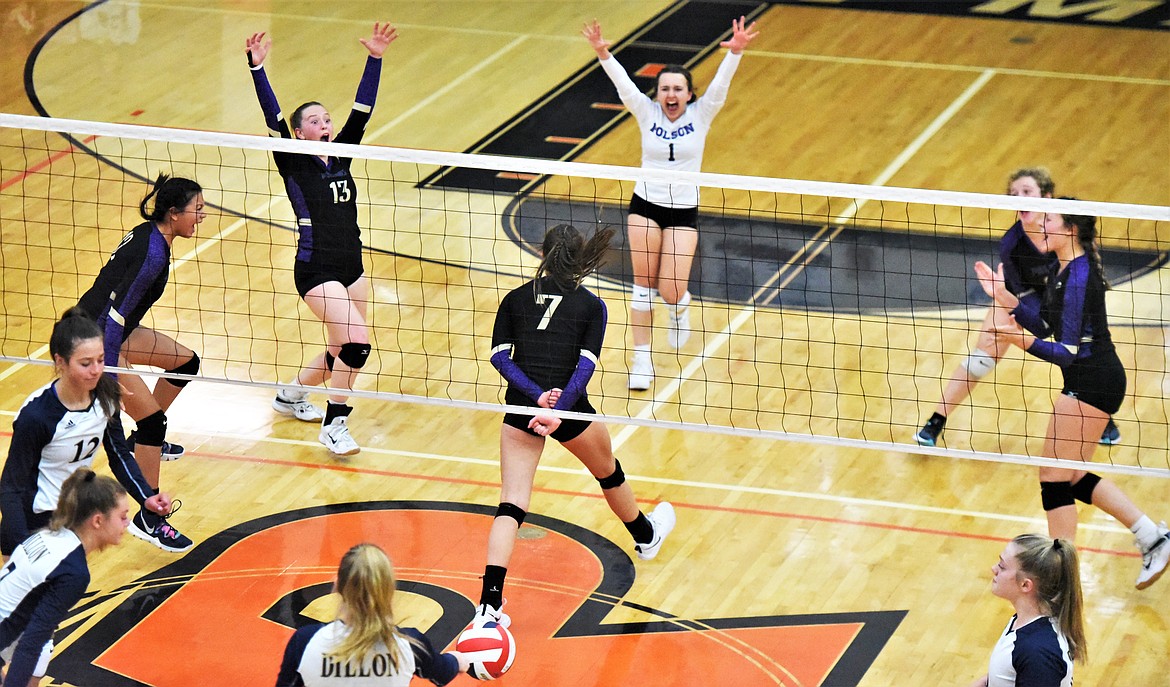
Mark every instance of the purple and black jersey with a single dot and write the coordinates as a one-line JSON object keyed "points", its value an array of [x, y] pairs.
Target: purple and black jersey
{"points": [[1074, 308], [548, 339], [130, 282], [323, 194]]}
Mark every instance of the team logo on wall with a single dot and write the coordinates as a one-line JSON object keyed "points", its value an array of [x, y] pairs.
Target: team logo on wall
{"points": [[222, 614]]}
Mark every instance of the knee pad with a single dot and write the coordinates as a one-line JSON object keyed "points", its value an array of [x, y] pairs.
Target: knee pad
{"points": [[329, 358], [617, 479], [641, 299], [354, 354], [152, 429], [191, 367], [979, 363], [511, 510], [1056, 495], [1083, 490]]}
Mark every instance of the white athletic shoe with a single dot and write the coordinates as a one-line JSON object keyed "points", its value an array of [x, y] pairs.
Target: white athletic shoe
{"points": [[641, 373], [678, 330], [663, 519], [485, 614], [1155, 559], [299, 408], [337, 438]]}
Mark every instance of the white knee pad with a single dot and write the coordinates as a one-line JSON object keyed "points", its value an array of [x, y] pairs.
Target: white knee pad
{"points": [[642, 298], [979, 363]]}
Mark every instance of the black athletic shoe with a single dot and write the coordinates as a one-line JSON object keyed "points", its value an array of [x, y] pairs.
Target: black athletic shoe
{"points": [[928, 435], [169, 451], [1111, 435]]}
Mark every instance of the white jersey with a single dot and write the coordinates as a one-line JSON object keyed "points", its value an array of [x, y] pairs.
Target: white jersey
{"points": [[1033, 654], [307, 661], [46, 576], [676, 145]]}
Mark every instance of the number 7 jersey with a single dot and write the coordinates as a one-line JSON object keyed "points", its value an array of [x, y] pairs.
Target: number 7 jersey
{"points": [[549, 334]]}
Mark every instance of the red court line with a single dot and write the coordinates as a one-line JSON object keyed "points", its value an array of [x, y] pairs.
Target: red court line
{"points": [[608, 106], [41, 165], [678, 504], [563, 139], [517, 175]]}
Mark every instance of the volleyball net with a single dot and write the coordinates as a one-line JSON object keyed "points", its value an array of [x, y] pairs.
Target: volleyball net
{"points": [[822, 312]]}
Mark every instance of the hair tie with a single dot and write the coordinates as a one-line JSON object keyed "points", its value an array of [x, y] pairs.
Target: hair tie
{"points": [[1056, 544], [89, 476]]}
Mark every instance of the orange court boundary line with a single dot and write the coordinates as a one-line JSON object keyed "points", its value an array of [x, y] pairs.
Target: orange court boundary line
{"points": [[695, 506]]}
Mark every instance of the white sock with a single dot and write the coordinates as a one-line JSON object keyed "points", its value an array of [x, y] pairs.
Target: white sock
{"points": [[290, 394], [677, 308], [641, 352], [1146, 532]]}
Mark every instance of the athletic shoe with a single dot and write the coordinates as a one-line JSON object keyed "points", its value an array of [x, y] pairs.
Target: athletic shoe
{"points": [[169, 451], [337, 438], [163, 535], [485, 614], [641, 373], [663, 519], [1111, 435], [928, 435], [1155, 559], [678, 328], [299, 408]]}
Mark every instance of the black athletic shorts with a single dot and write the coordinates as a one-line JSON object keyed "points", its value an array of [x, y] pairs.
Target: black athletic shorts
{"points": [[663, 216], [570, 429], [308, 276], [1098, 380]]}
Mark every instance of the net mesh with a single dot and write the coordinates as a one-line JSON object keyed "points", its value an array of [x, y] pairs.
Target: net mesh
{"points": [[823, 312]]}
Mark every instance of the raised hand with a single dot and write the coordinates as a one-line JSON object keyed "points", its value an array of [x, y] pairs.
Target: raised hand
{"points": [[993, 285], [740, 36], [592, 33], [383, 36], [257, 48]]}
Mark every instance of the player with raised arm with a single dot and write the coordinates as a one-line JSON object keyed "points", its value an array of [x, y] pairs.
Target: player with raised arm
{"points": [[1072, 312], [328, 270], [663, 219]]}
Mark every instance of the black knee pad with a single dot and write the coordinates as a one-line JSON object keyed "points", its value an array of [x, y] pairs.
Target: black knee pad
{"points": [[354, 354], [617, 479], [513, 511], [191, 367], [1056, 495], [152, 429], [329, 358], [1083, 490]]}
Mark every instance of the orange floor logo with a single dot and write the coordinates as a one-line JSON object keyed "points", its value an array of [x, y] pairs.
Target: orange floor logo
{"points": [[222, 614]]}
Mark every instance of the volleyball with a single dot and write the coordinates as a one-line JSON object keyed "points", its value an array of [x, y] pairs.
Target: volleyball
{"points": [[489, 648]]}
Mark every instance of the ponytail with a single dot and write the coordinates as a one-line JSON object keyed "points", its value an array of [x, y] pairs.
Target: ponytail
{"points": [[1086, 234], [173, 193], [569, 258], [366, 583], [1054, 568], [75, 326], [83, 495]]}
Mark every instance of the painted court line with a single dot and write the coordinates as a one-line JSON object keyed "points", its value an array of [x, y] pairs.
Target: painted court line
{"points": [[723, 338]]}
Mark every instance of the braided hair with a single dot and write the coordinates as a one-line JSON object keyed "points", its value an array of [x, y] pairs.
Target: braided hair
{"points": [[1086, 234], [568, 258]]}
